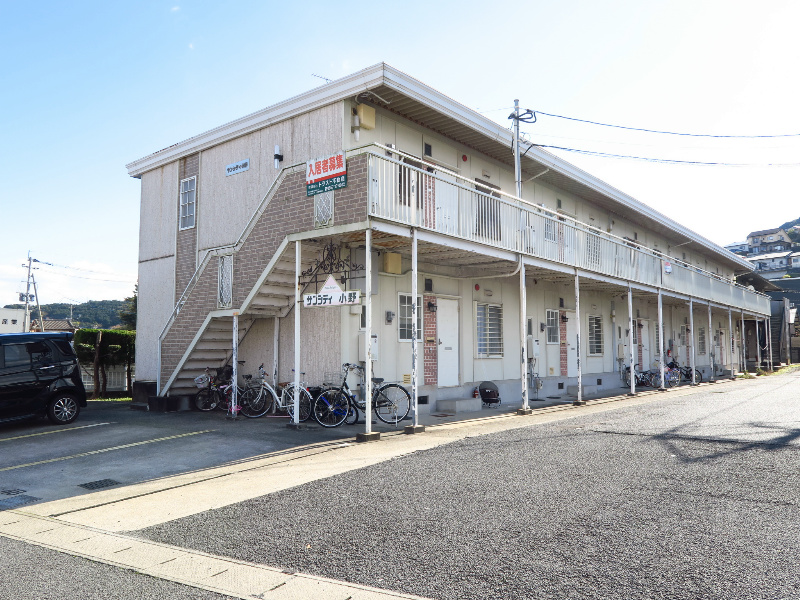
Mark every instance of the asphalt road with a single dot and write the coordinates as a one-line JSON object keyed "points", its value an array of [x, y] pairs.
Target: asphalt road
{"points": [[682, 498]]}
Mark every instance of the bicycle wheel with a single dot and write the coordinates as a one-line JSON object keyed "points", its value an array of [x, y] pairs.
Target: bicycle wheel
{"points": [[626, 378], [698, 376], [391, 403], [206, 399], [352, 415], [254, 402], [287, 400], [331, 408], [673, 377]]}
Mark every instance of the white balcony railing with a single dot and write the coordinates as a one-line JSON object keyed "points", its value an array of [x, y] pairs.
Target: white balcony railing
{"points": [[406, 190]]}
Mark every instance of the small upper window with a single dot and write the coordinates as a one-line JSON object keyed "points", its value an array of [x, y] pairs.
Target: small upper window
{"points": [[188, 192], [427, 150]]}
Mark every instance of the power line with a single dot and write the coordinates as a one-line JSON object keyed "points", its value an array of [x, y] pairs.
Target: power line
{"points": [[73, 268], [665, 132], [665, 160], [88, 278]]}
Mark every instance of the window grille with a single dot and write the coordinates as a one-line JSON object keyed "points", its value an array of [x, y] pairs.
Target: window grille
{"points": [[595, 334], [592, 251], [550, 230], [323, 210], [635, 332], [552, 326], [187, 202], [701, 340], [225, 281], [489, 329], [682, 336], [404, 322]]}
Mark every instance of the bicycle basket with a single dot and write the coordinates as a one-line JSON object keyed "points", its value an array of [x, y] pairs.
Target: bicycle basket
{"points": [[332, 378], [202, 380]]}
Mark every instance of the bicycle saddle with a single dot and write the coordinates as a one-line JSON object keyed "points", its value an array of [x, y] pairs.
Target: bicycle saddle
{"points": [[377, 380], [248, 377]]}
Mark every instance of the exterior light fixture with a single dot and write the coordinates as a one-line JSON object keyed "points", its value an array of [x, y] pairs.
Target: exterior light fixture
{"points": [[278, 156], [431, 307]]}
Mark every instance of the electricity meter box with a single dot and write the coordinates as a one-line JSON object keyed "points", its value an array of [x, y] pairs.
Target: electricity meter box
{"points": [[533, 347], [362, 350]]}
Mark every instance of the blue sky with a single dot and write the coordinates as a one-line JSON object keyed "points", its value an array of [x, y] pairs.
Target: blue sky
{"points": [[87, 87]]}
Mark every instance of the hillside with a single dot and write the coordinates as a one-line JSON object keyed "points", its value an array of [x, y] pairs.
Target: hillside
{"points": [[790, 223], [102, 314]]}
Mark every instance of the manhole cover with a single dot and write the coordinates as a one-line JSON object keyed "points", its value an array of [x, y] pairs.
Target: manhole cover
{"points": [[15, 501], [7, 492], [96, 485]]}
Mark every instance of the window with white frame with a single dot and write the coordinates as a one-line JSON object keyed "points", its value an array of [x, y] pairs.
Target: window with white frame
{"points": [[188, 194], [701, 340], [404, 320], [489, 330], [595, 335], [552, 326], [549, 230], [635, 332]]}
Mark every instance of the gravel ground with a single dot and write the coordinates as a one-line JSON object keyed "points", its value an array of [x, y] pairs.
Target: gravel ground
{"points": [[683, 498], [59, 576]]}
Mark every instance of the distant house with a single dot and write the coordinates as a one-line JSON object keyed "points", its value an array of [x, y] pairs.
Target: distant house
{"points": [[53, 325], [738, 247], [768, 241], [12, 320], [774, 264]]}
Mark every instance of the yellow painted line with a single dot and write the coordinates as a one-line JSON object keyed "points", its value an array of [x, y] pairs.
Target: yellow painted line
{"points": [[19, 437], [101, 451]]}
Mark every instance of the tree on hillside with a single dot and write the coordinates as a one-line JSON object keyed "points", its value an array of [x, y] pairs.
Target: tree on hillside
{"points": [[127, 315]]}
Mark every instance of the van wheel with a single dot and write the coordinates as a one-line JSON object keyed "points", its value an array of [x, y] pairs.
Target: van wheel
{"points": [[63, 409]]}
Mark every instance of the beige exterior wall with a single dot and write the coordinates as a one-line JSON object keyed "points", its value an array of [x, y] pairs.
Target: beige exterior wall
{"points": [[156, 284], [158, 212], [226, 203]]}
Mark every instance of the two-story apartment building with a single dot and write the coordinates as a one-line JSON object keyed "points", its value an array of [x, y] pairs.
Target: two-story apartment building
{"points": [[459, 279]]}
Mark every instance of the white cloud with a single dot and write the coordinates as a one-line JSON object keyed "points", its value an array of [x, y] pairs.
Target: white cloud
{"points": [[175, 9]]}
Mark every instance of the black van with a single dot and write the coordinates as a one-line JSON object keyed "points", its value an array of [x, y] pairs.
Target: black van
{"points": [[40, 375]]}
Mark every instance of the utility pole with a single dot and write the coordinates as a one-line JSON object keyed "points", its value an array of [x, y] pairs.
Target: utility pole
{"points": [[39, 306], [27, 326], [517, 159]]}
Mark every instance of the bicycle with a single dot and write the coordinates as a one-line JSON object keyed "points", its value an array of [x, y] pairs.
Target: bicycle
{"points": [[391, 402], [267, 395], [641, 379], [686, 372], [215, 395]]}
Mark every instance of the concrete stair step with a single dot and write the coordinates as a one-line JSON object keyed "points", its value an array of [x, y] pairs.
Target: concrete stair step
{"points": [[459, 405]]}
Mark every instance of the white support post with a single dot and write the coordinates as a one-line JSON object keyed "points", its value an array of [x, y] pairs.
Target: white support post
{"points": [[630, 341], [729, 344], [368, 435], [414, 341], [578, 348], [276, 332], [661, 340], [758, 345], [233, 407], [768, 325], [742, 349], [298, 264], [523, 334], [710, 347], [693, 362]]}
